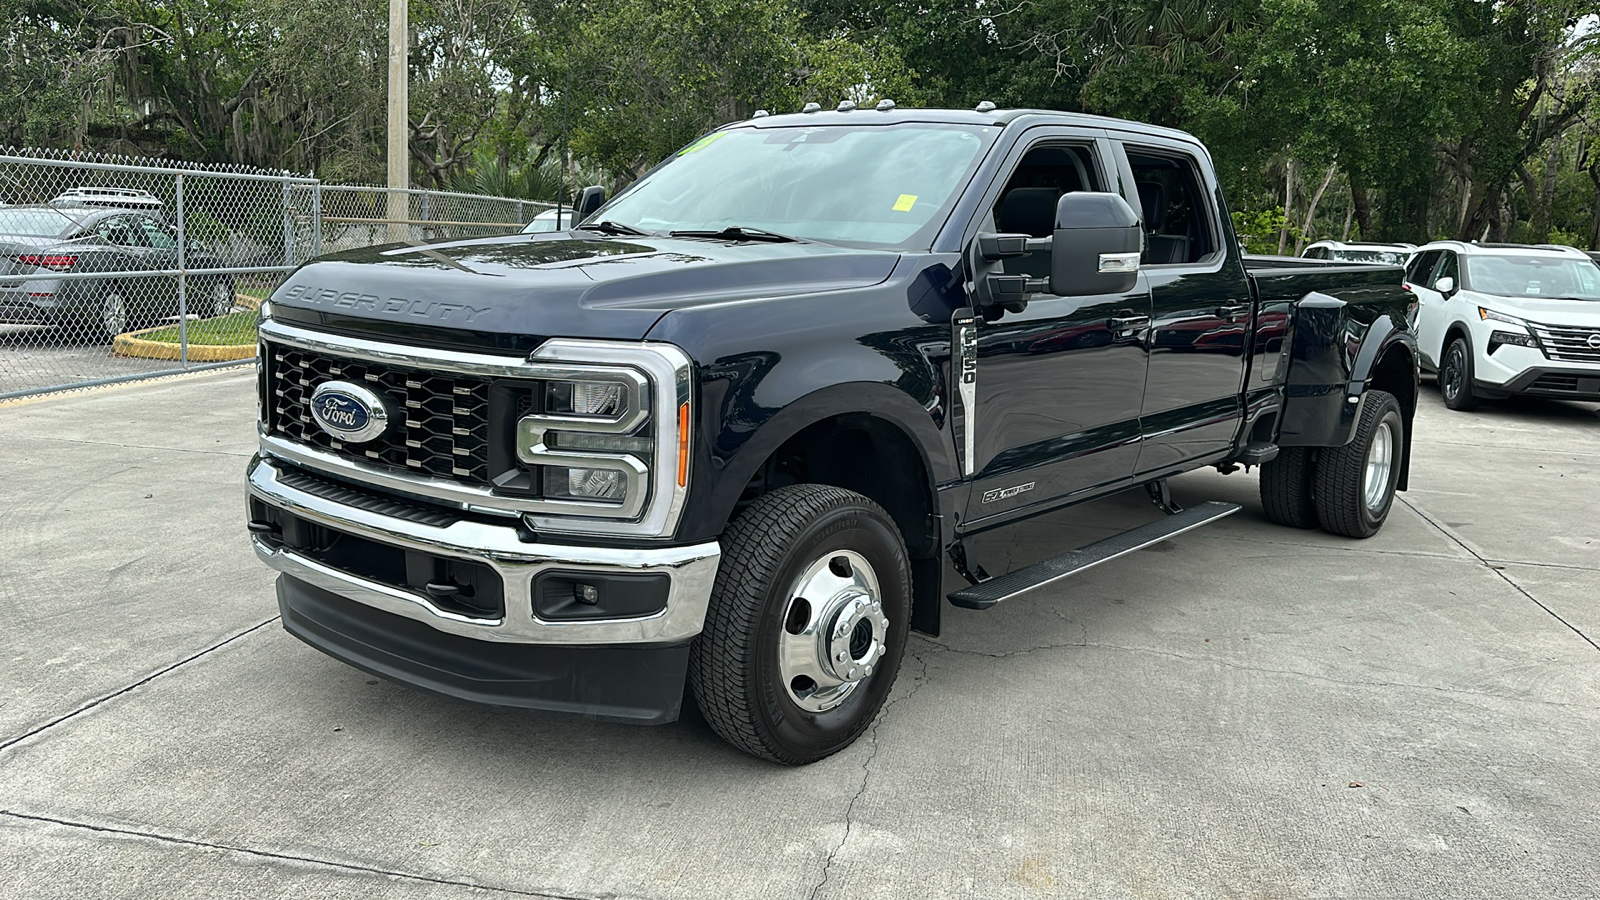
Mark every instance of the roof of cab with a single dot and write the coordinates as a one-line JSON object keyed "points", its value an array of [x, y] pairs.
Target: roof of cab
{"points": [[1002, 117]]}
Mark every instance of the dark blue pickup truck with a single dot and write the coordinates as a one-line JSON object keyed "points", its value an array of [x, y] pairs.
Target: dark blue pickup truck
{"points": [[733, 431]]}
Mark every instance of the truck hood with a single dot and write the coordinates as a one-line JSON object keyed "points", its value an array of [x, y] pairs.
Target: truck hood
{"points": [[577, 284]]}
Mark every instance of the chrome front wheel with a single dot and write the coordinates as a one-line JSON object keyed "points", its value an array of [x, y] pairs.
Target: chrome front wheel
{"points": [[834, 630]]}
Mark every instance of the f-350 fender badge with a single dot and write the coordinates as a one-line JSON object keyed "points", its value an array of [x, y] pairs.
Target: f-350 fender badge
{"points": [[964, 371]]}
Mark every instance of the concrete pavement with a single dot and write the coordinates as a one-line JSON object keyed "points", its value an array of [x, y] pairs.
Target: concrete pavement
{"points": [[1246, 711]]}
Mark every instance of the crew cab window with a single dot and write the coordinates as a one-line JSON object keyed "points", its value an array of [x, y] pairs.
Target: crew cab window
{"points": [[1177, 219], [1027, 204]]}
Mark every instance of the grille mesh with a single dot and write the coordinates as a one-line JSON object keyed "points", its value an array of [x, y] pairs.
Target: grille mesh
{"points": [[442, 428]]}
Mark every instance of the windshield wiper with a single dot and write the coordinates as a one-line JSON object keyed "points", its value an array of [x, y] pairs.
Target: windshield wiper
{"points": [[607, 226], [739, 233]]}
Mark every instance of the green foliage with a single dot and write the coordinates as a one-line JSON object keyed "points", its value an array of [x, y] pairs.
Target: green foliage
{"points": [[1259, 229], [1404, 118]]}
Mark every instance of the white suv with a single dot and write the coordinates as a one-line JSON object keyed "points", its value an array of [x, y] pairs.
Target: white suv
{"points": [[1501, 319]]}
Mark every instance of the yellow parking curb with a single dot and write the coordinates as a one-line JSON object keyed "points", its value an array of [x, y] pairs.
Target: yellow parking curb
{"points": [[130, 344]]}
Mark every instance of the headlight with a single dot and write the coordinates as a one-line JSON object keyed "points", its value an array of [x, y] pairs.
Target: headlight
{"points": [[1489, 315], [585, 398], [604, 437]]}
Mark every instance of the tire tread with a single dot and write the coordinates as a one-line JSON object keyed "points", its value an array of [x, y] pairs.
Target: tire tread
{"points": [[753, 552]]}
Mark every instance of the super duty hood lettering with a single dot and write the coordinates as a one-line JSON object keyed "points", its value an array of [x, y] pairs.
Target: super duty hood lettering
{"points": [[439, 310]]}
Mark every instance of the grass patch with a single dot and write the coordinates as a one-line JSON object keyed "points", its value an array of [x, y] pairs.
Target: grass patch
{"points": [[232, 330]]}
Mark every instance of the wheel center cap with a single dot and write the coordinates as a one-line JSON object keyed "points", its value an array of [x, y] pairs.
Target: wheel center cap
{"points": [[854, 641]]}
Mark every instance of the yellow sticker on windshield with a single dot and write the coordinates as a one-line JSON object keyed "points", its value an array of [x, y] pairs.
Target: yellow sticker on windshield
{"points": [[703, 143], [905, 203]]}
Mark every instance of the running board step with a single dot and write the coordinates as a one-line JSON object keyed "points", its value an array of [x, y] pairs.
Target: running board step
{"points": [[987, 593]]}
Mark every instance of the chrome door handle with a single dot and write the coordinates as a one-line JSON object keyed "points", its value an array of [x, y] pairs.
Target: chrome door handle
{"points": [[1231, 311]]}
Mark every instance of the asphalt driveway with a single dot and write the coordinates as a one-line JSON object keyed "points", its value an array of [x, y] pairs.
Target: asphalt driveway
{"points": [[1245, 712]]}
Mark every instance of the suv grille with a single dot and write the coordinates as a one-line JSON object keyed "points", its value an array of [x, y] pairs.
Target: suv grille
{"points": [[443, 430], [1569, 343]]}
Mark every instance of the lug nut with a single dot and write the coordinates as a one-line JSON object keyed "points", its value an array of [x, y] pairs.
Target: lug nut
{"points": [[842, 655], [852, 672]]}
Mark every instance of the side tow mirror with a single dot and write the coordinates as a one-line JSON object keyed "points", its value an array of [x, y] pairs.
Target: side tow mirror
{"points": [[589, 199], [1096, 245], [1445, 285]]}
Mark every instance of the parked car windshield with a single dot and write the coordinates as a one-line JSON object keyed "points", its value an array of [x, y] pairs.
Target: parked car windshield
{"points": [[34, 222], [1387, 257], [870, 184], [1519, 275]]}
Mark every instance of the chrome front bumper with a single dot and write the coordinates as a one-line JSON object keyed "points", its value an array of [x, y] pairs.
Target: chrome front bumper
{"points": [[691, 569]]}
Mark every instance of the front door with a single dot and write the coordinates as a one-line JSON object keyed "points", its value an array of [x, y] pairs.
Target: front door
{"points": [[1058, 385]]}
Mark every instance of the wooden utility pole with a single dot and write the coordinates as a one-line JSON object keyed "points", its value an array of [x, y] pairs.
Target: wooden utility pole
{"points": [[399, 207]]}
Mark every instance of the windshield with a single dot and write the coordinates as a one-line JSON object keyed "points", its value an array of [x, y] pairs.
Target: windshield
{"points": [[1516, 275], [34, 222], [1387, 257], [882, 184]]}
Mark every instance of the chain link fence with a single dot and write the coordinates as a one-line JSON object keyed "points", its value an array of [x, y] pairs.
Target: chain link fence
{"points": [[113, 268]]}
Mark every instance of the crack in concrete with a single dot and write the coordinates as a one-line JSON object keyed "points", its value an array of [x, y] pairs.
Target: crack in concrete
{"points": [[8, 744], [232, 453], [866, 771], [1264, 670], [1498, 571], [282, 857]]}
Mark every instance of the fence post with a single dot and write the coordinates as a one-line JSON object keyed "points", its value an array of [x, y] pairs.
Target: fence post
{"points": [[183, 276], [316, 218], [288, 223]]}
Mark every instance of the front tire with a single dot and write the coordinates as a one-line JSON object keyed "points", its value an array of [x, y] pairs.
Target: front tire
{"points": [[1455, 377], [806, 626], [1355, 484], [220, 300]]}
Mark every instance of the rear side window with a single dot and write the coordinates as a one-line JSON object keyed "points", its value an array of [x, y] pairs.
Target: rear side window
{"points": [[1177, 219]]}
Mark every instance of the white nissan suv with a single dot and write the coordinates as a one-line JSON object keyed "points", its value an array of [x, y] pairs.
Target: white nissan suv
{"points": [[1502, 319]]}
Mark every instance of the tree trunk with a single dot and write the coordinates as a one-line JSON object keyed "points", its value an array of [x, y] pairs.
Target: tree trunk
{"points": [[1288, 203], [1358, 196], [1311, 208]]}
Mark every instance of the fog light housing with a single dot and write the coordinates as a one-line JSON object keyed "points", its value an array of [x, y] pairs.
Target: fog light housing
{"points": [[1498, 339], [572, 483]]}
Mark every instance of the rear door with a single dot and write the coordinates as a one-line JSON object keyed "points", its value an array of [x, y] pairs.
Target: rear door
{"points": [[1202, 306], [1058, 385]]}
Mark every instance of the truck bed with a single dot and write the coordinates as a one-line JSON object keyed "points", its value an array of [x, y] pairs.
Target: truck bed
{"points": [[1290, 278]]}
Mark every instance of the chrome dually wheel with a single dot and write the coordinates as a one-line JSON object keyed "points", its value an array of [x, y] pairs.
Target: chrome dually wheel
{"points": [[1379, 470], [834, 631]]}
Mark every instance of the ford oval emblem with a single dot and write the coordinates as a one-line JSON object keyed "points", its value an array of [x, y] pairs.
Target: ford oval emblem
{"points": [[349, 411]]}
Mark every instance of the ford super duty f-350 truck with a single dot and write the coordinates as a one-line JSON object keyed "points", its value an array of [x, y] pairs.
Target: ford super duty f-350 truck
{"points": [[733, 431]]}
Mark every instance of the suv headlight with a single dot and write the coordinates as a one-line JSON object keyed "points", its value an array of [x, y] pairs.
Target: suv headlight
{"points": [[1489, 315], [607, 432]]}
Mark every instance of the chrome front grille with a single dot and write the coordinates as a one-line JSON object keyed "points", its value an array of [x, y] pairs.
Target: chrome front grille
{"points": [[1568, 343], [442, 429]]}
